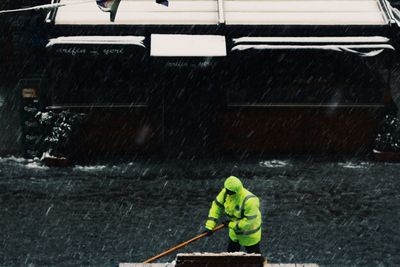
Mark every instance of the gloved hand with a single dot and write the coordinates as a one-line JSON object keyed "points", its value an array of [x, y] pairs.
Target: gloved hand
{"points": [[208, 232], [232, 225]]}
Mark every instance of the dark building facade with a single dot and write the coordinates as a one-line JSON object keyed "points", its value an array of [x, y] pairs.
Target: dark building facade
{"points": [[257, 83], [22, 39]]}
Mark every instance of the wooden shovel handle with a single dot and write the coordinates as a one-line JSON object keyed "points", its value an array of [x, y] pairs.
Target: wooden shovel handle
{"points": [[182, 244]]}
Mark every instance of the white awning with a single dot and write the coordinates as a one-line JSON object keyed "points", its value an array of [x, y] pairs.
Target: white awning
{"points": [[305, 12], [361, 45], [97, 40], [182, 45], [319, 39], [139, 12], [232, 12]]}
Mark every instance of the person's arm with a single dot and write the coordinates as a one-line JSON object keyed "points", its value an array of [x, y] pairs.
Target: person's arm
{"points": [[217, 207], [252, 217]]}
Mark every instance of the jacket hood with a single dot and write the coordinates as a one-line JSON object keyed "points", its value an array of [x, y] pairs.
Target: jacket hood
{"points": [[232, 183]]}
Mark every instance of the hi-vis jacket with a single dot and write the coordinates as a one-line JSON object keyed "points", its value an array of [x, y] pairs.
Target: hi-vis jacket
{"points": [[243, 210]]}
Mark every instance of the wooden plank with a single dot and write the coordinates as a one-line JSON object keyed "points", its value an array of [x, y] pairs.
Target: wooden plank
{"points": [[146, 265], [291, 265], [219, 259], [173, 265]]}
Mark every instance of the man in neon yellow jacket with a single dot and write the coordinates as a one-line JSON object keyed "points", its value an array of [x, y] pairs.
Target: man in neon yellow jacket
{"points": [[243, 210]]}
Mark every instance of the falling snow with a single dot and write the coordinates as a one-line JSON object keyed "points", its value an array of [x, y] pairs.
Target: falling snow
{"points": [[314, 211], [333, 210]]}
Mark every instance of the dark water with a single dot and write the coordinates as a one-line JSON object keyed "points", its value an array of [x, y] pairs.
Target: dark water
{"points": [[334, 213]]}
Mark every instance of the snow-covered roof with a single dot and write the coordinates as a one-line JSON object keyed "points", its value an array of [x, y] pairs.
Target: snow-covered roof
{"points": [[230, 12]]}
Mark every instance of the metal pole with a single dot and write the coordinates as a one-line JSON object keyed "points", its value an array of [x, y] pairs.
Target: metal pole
{"points": [[221, 12]]}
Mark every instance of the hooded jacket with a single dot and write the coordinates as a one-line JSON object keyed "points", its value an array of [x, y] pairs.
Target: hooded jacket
{"points": [[243, 210]]}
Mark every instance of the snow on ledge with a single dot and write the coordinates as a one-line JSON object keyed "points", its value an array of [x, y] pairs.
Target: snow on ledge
{"points": [[102, 40], [366, 46], [368, 50], [319, 39]]}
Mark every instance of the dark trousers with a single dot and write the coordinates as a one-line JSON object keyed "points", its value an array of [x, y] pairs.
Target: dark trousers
{"points": [[235, 247]]}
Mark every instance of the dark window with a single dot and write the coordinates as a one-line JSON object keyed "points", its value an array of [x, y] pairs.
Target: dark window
{"points": [[94, 81], [303, 78]]}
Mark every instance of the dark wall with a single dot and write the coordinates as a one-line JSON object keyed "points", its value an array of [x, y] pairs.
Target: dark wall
{"points": [[22, 38], [395, 3], [22, 33]]}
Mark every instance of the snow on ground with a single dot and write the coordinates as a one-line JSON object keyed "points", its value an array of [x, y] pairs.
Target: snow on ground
{"points": [[12, 159], [90, 168], [22, 162], [355, 165], [313, 211], [36, 165], [274, 163]]}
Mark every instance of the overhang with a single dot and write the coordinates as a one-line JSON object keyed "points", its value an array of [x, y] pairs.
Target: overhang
{"points": [[96, 45], [366, 46], [229, 12]]}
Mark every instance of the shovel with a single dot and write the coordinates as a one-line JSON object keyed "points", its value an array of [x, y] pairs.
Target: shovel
{"points": [[182, 245]]}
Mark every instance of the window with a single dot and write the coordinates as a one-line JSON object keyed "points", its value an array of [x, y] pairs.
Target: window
{"points": [[303, 77], [89, 80]]}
